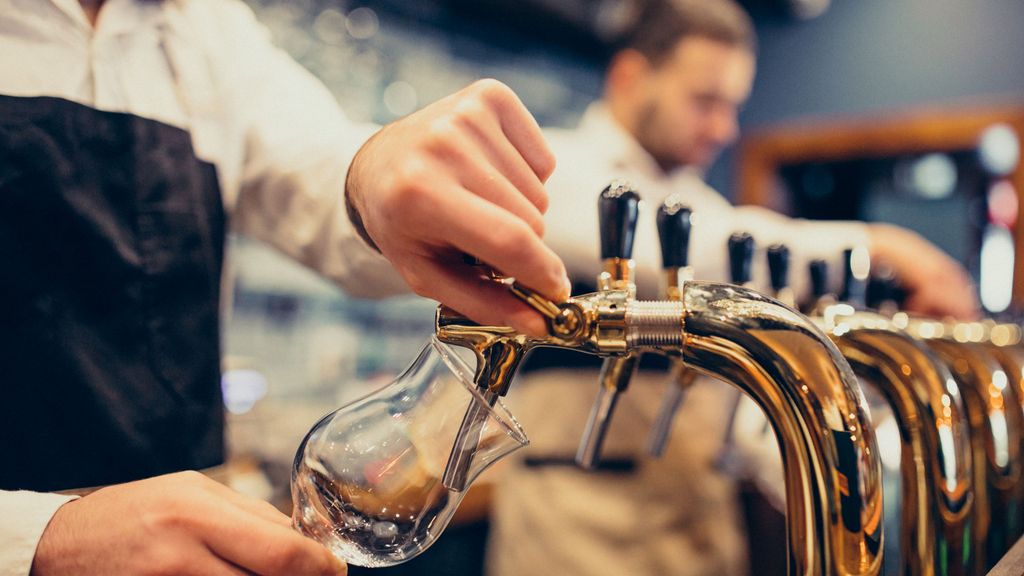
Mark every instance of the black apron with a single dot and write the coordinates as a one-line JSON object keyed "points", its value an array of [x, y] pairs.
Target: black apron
{"points": [[111, 247]]}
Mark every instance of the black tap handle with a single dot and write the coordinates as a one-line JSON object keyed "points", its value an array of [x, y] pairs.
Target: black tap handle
{"points": [[778, 266], [741, 257], [885, 287], [674, 224], [618, 209], [854, 289], [819, 278]]}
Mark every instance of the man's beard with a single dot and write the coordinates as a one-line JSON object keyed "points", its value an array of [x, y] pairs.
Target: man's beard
{"points": [[647, 127]]}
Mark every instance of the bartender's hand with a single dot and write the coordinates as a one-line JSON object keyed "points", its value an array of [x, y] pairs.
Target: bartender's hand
{"points": [[463, 175], [936, 284], [181, 524]]}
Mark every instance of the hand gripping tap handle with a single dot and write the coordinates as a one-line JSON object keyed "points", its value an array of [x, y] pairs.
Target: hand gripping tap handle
{"points": [[618, 209], [674, 225]]}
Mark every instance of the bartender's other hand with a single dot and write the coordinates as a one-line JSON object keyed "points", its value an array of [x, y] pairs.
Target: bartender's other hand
{"points": [[936, 284], [180, 524], [464, 175]]}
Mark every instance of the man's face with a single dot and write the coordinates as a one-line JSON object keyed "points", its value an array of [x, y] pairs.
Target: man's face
{"points": [[689, 113]]}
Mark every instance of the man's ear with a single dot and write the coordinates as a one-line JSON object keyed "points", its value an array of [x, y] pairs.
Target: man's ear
{"points": [[627, 72]]}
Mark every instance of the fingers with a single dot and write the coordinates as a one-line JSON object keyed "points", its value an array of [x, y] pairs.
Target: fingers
{"points": [[209, 564], [477, 227], [265, 548], [481, 299], [264, 510], [475, 171], [490, 139], [519, 126]]}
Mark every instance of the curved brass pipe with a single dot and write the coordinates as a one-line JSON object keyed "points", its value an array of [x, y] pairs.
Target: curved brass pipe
{"points": [[936, 475], [996, 432], [810, 395], [792, 370]]}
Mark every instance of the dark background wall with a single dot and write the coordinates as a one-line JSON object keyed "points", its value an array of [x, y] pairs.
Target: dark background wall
{"points": [[865, 56]]}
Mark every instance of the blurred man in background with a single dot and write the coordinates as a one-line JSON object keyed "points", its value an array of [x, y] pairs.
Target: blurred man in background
{"points": [[672, 94]]}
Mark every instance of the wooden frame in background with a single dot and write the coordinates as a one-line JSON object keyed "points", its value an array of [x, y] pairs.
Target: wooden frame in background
{"points": [[764, 152]]}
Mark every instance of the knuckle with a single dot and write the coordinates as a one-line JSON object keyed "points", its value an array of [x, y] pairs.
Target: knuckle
{"points": [[287, 558], [541, 200], [189, 477], [468, 112], [418, 284], [546, 163], [407, 185], [443, 133], [491, 89]]}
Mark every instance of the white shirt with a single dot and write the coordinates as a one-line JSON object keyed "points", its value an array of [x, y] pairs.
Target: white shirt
{"points": [[279, 140], [599, 150]]}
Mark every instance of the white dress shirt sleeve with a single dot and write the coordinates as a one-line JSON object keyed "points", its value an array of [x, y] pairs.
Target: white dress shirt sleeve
{"points": [[297, 145], [23, 517]]}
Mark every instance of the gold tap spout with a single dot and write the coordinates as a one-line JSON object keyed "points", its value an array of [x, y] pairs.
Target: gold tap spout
{"points": [[937, 496], [811, 397], [996, 431]]}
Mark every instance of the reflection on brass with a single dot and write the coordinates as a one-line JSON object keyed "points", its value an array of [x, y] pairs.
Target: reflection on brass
{"points": [[935, 465], [618, 274], [790, 368], [996, 431]]}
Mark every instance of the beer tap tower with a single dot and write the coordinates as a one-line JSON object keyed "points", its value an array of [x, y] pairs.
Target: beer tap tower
{"points": [[779, 357]]}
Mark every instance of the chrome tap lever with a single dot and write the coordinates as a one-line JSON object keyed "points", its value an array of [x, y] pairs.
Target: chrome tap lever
{"points": [[616, 372], [778, 272], [618, 210], [674, 225]]}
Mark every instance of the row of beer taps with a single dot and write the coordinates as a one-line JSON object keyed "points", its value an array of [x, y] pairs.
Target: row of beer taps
{"points": [[954, 390]]}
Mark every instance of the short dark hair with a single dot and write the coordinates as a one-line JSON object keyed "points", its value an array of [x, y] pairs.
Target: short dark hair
{"points": [[659, 25]]}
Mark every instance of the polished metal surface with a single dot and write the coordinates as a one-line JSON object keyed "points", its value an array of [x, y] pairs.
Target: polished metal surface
{"points": [[810, 395], [791, 369], [936, 482], [616, 373], [996, 432]]}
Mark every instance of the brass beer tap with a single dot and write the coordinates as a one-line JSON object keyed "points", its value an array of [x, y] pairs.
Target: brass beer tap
{"points": [[618, 210], [779, 357], [674, 225], [997, 427]]}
